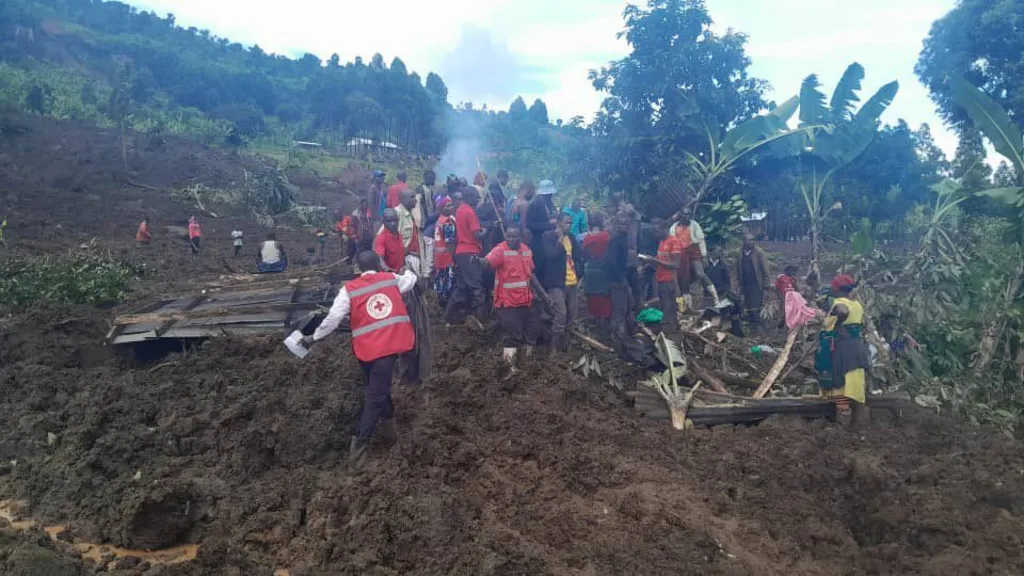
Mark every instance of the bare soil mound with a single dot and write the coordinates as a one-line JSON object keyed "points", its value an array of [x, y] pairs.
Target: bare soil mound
{"points": [[63, 184], [239, 447]]}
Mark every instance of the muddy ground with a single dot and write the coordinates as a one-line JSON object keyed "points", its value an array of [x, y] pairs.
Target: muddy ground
{"points": [[239, 448]]}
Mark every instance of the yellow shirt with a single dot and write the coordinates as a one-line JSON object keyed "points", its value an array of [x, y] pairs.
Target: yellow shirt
{"points": [[570, 268], [856, 313]]}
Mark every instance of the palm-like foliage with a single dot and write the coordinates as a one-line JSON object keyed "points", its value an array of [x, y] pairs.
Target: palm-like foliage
{"points": [[738, 143], [835, 134], [996, 125]]}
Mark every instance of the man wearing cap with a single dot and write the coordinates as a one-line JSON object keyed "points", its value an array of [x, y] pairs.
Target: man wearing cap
{"points": [[540, 215], [381, 331]]}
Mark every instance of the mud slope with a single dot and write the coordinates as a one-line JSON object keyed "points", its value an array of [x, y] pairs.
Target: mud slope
{"points": [[239, 448], [63, 184]]}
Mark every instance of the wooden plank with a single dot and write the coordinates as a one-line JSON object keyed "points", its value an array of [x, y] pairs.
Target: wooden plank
{"points": [[133, 338], [233, 319]]}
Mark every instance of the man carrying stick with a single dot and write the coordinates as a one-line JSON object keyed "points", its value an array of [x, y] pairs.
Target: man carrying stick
{"points": [[512, 262]]}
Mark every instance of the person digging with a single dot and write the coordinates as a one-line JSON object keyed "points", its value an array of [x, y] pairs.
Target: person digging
{"points": [[381, 332], [512, 262]]}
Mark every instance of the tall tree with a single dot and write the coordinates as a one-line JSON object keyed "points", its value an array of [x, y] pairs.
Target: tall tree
{"points": [[983, 41], [517, 111], [437, 88], [679, 82], [538, 112]]}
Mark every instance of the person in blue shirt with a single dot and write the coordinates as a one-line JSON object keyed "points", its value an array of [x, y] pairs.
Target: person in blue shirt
{"points": [[579, 218]]}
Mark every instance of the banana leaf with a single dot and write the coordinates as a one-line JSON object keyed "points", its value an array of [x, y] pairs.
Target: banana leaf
{"points": [[845, 94], [989, 117]]}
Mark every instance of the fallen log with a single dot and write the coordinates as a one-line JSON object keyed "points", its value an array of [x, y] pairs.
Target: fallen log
{"points": [[739, 411], [593, 343], [708, 377]]}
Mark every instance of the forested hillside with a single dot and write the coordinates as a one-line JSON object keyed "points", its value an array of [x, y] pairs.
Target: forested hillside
{"points": [[68, 58], [109, 63]]}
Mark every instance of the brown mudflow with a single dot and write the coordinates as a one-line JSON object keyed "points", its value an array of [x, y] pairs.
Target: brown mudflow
{"points": [[239, 447]]}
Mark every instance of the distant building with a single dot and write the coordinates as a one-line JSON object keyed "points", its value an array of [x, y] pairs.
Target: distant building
{"points": [[755, 224], [368, 143]]}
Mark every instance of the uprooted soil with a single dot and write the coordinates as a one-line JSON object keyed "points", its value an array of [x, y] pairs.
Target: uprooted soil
{"points": [[240, 448], [63, 184]]}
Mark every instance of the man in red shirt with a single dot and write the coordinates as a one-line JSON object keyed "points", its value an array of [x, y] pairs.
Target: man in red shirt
{"points": [[381, 331], [469, 291], [388, 244], [512, 262], [395, 190], [670, 254]]}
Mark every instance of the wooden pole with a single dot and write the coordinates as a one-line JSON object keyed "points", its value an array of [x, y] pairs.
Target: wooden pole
{"points": [[780, 363]]}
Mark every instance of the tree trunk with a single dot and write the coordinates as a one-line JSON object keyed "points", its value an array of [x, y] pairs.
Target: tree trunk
{"points": [[994, 331], [814, 273], [124, 150]]}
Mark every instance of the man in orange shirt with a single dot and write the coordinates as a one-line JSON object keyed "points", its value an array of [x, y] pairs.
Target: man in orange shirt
{"points": [[469, 291], [512, 262], [143, 236], [670, 255], [394, 198]]}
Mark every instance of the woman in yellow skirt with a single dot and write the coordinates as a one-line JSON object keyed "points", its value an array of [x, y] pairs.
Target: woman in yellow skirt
{"points": [[846, 352]]}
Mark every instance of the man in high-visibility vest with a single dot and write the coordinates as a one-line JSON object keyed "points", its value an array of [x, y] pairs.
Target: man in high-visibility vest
{"points": [[381, 331], [512, 262]]}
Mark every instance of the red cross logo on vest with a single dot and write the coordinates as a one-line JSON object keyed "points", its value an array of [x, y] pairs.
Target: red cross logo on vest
{"points": [[380, 321], [379, 306]]}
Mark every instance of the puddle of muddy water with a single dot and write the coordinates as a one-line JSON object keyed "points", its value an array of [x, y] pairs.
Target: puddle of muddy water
{"points": [[10, 511]]}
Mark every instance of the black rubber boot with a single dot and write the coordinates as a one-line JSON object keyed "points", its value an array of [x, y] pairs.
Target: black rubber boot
{"points": [[357, 453], [389, 432], [558, 343]]}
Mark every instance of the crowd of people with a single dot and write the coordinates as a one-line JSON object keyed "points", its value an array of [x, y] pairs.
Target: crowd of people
{"points": [[489, 252]]}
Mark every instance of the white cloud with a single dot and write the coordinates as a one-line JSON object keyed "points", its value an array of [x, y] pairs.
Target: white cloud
{"points": [[545, 48]]}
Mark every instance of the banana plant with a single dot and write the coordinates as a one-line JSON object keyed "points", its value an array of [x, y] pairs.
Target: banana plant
{"points": [[837, 134], [993, 121], [739, 142]]}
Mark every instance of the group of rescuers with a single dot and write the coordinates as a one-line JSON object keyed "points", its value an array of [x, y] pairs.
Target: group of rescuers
{"points": [[468, 240]]}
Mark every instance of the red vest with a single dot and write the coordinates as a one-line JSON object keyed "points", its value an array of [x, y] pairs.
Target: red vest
{"points": [[512, 269], [380, 322]]}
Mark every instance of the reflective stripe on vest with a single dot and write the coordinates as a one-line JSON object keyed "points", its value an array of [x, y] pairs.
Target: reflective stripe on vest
{"points": [[382, 324], [373, 287], [511, 285]]}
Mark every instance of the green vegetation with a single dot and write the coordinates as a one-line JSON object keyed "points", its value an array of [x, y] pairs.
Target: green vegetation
{"points": [[81, 277]]}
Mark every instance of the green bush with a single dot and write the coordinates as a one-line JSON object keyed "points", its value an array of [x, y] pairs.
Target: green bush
{"points": [[77, 278]]}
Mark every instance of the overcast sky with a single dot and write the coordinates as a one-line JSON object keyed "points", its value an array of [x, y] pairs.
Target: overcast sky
{"points": [[489, 51]]}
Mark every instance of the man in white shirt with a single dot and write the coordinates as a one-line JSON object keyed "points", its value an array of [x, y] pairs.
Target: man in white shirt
{"points": [[381, 331], [272, 256]]}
